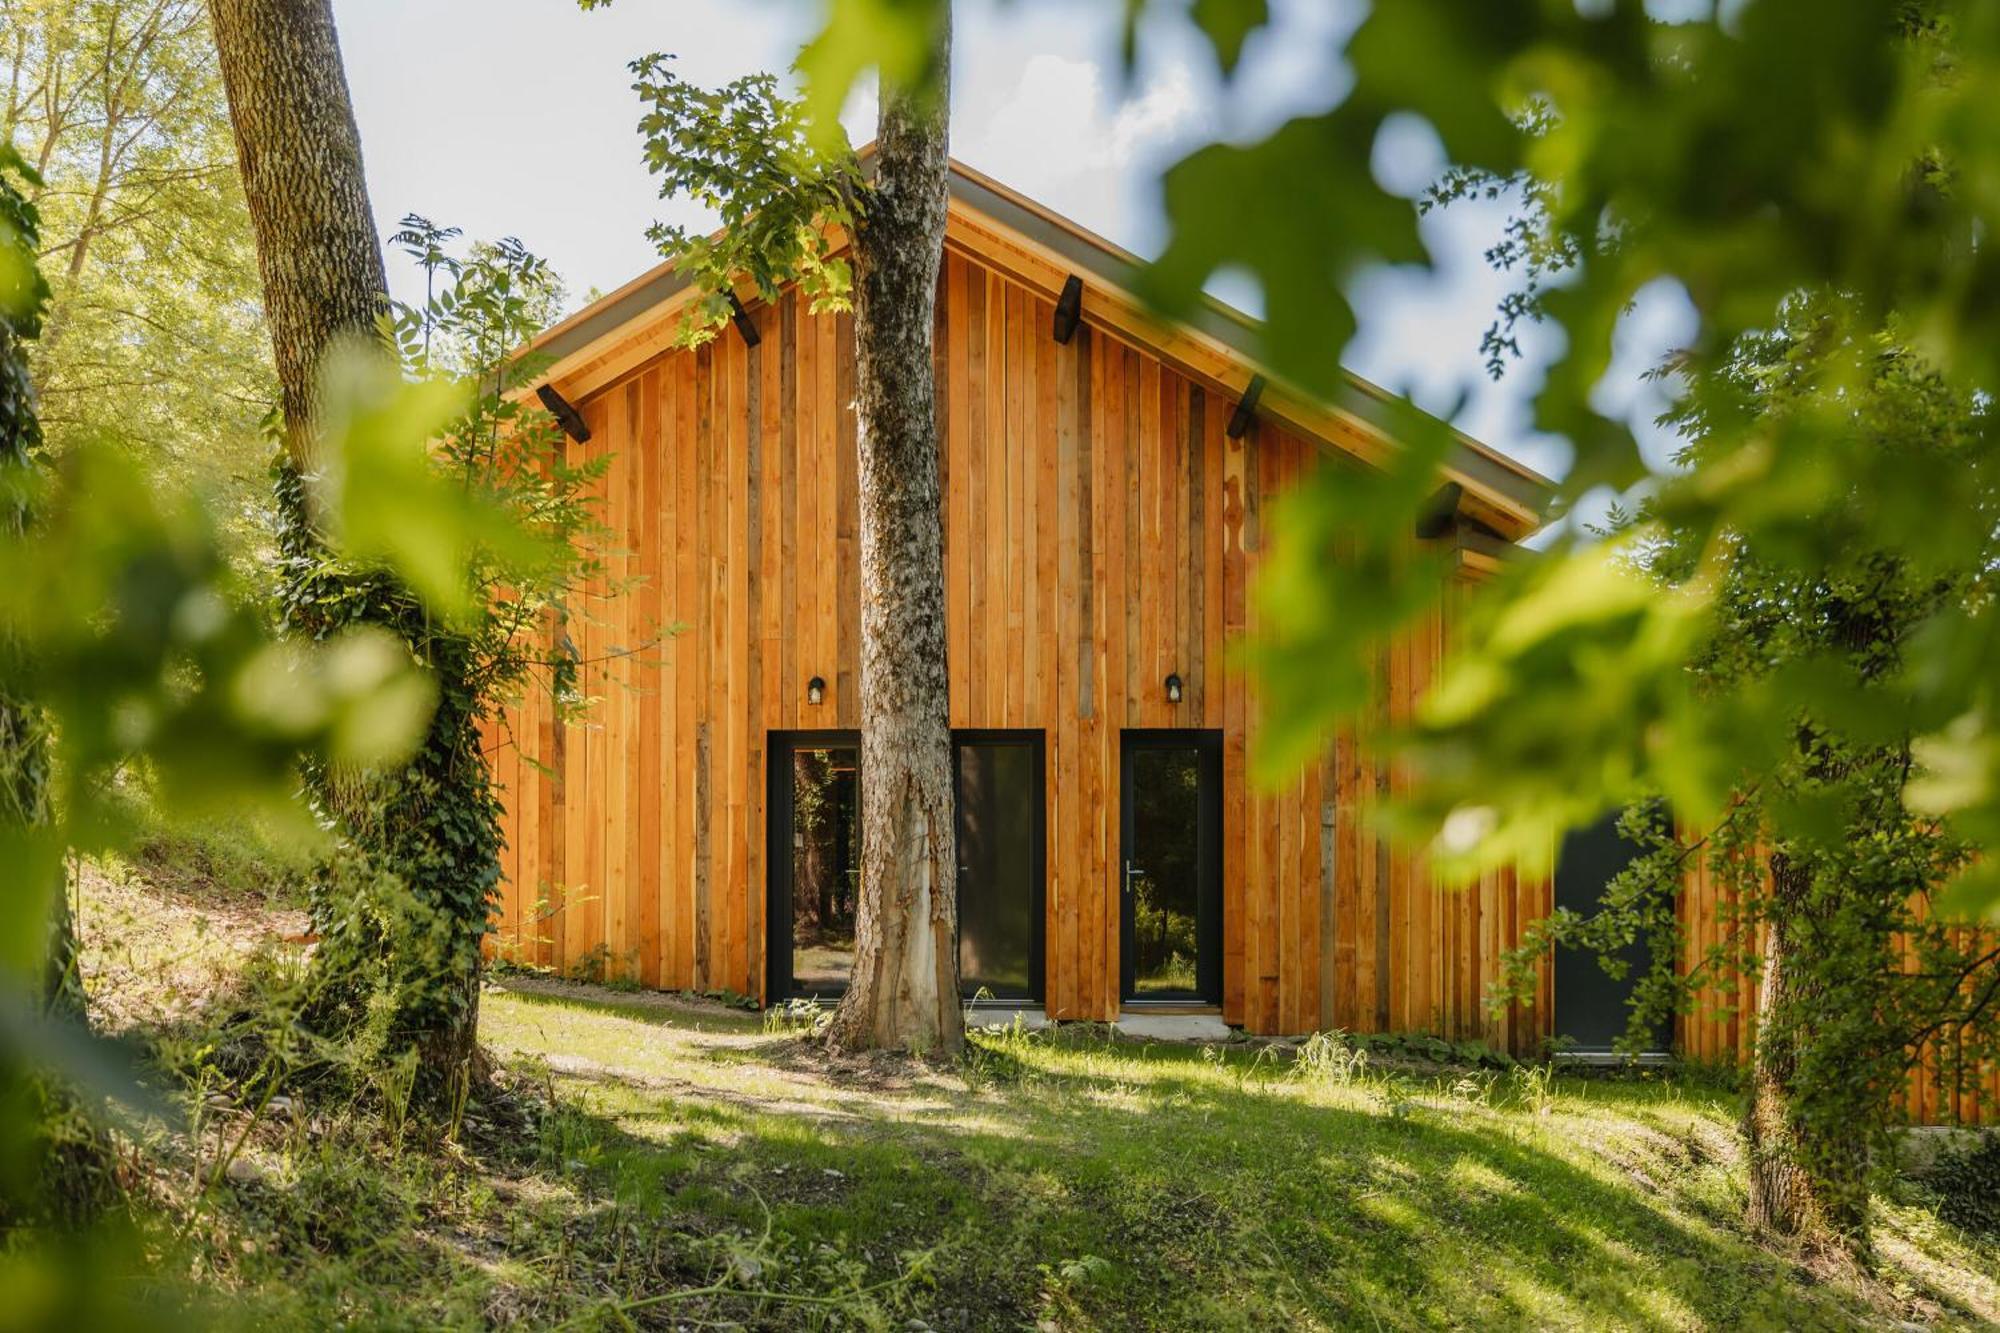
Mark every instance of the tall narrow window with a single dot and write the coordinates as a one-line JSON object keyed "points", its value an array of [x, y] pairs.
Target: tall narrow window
{"points": [[1000, 857], [815, 812], [1172, 898], [1592, 1007]]}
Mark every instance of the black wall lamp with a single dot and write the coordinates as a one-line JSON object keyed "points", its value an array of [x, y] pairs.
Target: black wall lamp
{"points": [[1174, 688], [815, 691]]}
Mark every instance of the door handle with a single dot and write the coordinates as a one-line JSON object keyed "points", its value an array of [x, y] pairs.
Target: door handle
{"points": [[1132, 872]]}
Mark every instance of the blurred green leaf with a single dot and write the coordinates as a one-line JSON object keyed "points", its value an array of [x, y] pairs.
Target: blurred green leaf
{"points": [[1974, 896], [392, 503], [92, 1065], [896, 38]]}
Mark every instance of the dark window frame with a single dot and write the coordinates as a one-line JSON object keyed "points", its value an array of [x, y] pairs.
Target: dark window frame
{"points": [[1211, 869], [780, 745], [1036, 739]]}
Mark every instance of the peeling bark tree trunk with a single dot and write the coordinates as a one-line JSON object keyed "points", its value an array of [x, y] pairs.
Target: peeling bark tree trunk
{"points": [[1801, 1184], [321, 266], [904, 989]]}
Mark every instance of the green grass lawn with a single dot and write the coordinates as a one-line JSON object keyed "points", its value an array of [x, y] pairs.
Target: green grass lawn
{"points": [[661, 1162], [1075, 1181]]}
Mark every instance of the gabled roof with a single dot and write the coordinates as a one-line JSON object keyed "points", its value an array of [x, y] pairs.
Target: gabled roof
{"points": [[1040, 249]]}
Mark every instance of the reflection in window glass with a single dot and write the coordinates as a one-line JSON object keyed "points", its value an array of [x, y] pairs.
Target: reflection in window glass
{"points": [[826, 868], [1164, 875], [997, 794]]}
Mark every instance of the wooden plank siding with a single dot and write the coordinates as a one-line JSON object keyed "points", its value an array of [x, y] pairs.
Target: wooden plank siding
{"points": [[1101, 532]]}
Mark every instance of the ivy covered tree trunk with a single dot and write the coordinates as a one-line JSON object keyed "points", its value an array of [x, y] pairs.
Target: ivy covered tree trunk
{"points": [[904, 989], [299, 153], [1804, 1182], [72, 1179], [434, 825], [24, 741]]}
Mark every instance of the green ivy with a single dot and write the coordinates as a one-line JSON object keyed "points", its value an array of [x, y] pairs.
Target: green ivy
{"points": [[1966, 1185], [405, 919]]}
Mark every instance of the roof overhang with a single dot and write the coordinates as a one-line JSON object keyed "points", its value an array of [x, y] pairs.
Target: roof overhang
{"points": [[1000, 228]]}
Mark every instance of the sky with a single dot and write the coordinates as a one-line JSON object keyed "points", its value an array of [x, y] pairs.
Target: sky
{"points": [[516, 117]]}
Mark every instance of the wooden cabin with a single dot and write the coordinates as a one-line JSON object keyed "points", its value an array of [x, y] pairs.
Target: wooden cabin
{"points": [[1106, 479], [1103, 524]]}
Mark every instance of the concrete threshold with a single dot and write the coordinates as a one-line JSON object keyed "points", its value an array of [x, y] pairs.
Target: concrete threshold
{"points": [[1173, 1027], [1031, 1016]]}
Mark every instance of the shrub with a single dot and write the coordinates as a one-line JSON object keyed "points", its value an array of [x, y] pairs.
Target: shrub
{"points": [[1966, 1185]]}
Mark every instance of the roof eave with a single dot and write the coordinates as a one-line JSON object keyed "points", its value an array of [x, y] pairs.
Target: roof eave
{"points": [[1503, 493]]}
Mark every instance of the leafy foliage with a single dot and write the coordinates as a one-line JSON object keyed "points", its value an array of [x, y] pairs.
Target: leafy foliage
{"points": [[155, 343], [895, 38], [129, 641], [1788, 150], [1819, 848], [1966, 1185], [785, 196], [124, 640], [23, 295], [778, 167]]}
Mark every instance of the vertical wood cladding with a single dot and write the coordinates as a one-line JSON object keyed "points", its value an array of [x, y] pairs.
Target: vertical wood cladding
{"points": [[1101, 533]]}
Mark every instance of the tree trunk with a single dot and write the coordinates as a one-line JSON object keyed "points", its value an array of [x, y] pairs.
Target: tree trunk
{"points": [[904, 989], [300, 155], [24, 737], [69, 1181], [324, 285], [1803, 1183]]}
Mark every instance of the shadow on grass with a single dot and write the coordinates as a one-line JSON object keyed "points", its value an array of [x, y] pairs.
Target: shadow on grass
{"points": [[661, 1009], [1169, 1199]]}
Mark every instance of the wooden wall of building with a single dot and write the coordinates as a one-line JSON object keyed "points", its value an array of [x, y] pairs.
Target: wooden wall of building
{"points": [[1101, 532]]}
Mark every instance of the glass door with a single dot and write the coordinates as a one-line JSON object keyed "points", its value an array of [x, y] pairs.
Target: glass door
{"points": [[815, 859], [1000, 862], [1171, 836]]}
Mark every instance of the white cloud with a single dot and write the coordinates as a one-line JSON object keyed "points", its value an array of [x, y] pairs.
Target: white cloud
{"points": [[1055, 134]]}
